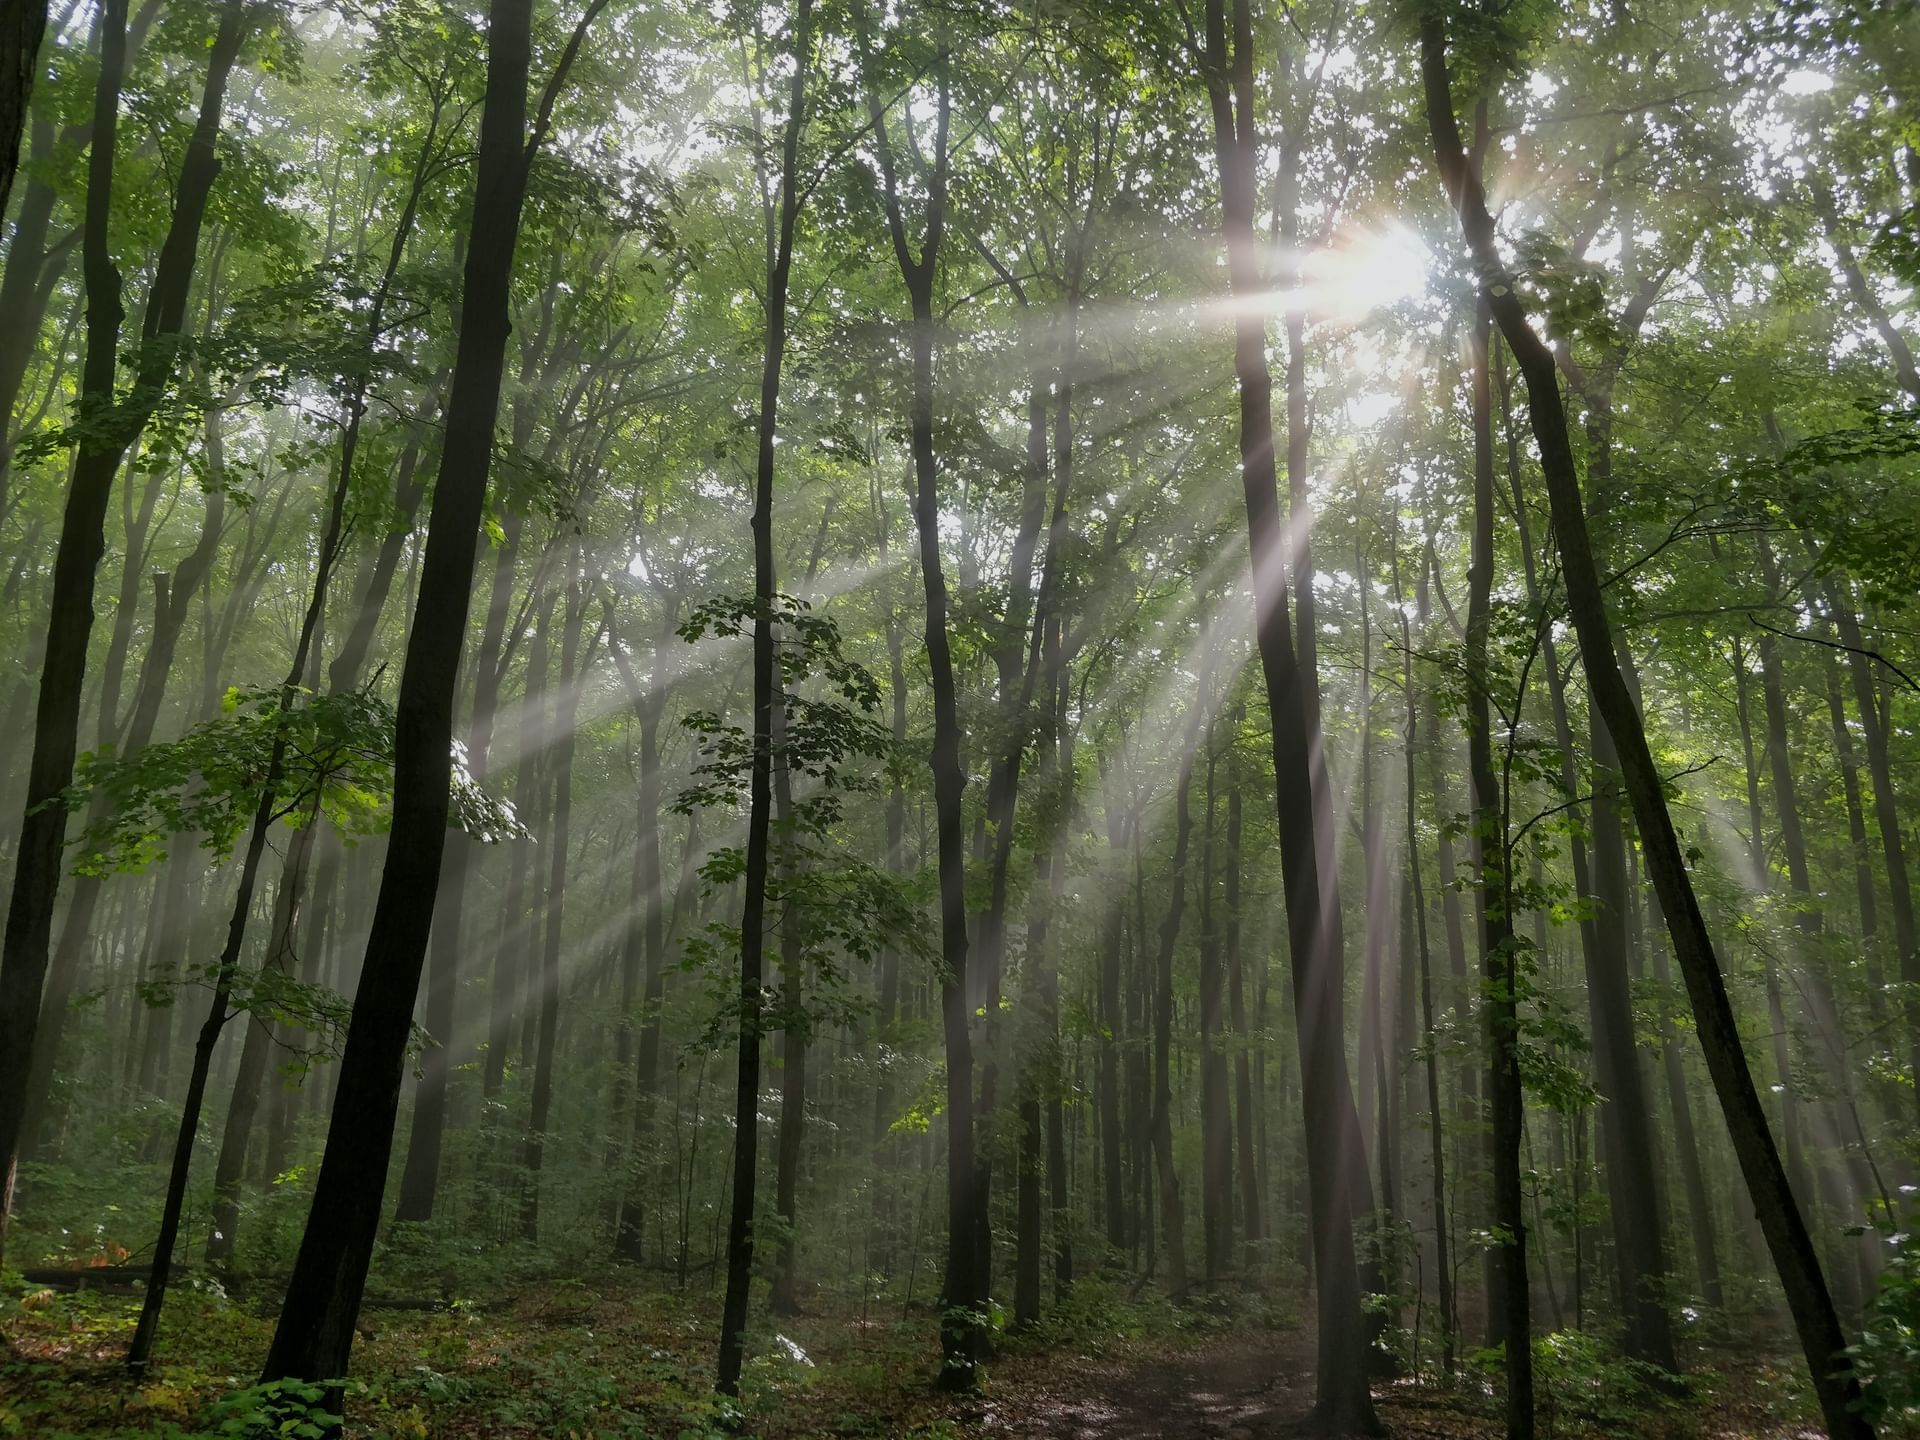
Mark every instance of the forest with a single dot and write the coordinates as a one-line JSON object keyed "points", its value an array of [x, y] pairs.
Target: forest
{"points": [[959, 718]]}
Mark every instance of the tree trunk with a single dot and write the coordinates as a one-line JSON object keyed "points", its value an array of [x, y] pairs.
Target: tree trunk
{"points": [[566, 705], [1172, 1210], [1253, 1228], [1216, 1119], [111, 428], [20, 33], [1886, 811], [1415, 903], [963, 1328], [1502, 964], [794, 1036], [753, 922], [266, 811], [1822, 1339], [169, 613], [316, 1327], [1635, 1189], [642, 959], [1343, 1404]]}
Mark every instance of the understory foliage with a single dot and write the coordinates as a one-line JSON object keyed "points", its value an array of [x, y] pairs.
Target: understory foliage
{"points": [[1001, 698]]}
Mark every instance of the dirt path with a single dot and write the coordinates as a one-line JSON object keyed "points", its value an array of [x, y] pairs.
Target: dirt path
{"points": [[1235, 1387]]}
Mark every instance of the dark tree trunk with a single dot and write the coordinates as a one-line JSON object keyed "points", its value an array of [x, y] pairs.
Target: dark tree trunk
{"points": [[112, 428], [255, 1054], [316, 1326], [753, 923], [642, 960], [270, 806], [963, 1330], [1113, 1033], [1172, 1210], [24, 23], [170, 594], [1822, 1338], [1415, 903], [1706, 1252]]}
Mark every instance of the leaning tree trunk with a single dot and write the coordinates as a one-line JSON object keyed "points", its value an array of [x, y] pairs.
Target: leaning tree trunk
{"points": [[251, 1075], [1822, 1339], [316, 1326]]}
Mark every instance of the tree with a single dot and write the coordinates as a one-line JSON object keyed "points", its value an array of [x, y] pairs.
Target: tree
{"points": [[753, 911], [108, 427], [315, 1331], [1342, 1404], [1821, 1336]]}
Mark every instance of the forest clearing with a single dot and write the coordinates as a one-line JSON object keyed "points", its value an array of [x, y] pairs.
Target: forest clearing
{"points": [[959, 718]]}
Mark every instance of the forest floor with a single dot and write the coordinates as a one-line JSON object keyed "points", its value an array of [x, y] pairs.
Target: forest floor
{"points": [[609, 1360]]}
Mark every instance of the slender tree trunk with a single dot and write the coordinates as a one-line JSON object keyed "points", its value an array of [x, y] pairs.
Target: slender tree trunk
{"points": [[1635, 1186], [1415, 903], [1253, 1228], [566, 704], [247, 1089], [255, 1054], [794, 1036], [964, 1337], [1113, 1035], [1706, 1253], [753, 922], [1503, 959], [1342, 1404], [1172, 1210], [644, 946], [169, 614], [1216, 1120]]}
